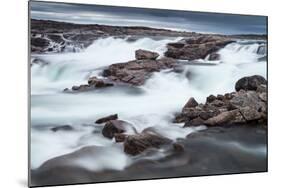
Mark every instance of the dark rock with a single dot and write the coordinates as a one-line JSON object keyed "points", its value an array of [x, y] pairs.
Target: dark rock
{"points": [[137, 71], [98, 83], [176, 44], [178, 147], [250, 83], [117, 126], [83, 87], [196, 47], [119, 137], [191, 103], [39, 43], [181, 118], [222, 118], [214, 57], [220, 97], [211, 98], [241, 107], [75, 88], [136, 144], [107, 118], [194, 122], [145, 54], [62, 128], [261, 50]]}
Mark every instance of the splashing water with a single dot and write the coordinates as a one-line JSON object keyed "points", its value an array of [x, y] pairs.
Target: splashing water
{"points": [[151, 105]]}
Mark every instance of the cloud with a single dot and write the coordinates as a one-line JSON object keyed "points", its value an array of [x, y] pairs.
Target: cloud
{"points": [[124, 16]]}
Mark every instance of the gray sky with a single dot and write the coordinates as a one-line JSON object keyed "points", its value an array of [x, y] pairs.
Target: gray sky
{"points": [[124, 16]]}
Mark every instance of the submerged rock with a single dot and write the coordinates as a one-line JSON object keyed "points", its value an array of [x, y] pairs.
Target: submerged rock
{"points": [[136, 144], [145, 54], [62, 128], [107, 118]]}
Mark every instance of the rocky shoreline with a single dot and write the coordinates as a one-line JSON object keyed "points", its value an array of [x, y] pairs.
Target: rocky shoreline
{"points": [[52, 36]]}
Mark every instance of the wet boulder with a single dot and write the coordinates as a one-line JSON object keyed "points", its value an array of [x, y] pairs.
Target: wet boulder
{"points": [[136, 144], [250, 83], [98, 83], [107, 118], [145, 54], [227, 117], [113, 127]]}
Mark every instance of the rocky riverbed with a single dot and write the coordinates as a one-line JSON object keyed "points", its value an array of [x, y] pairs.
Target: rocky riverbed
{"points": [[113, 103]]}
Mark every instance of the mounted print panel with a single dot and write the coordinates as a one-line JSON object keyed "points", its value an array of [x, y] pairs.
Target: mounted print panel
{"points": [[120, 94]]}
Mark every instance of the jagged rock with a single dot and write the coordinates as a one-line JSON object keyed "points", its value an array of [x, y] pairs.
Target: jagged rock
{"points": [[137, 71], [241, 107], [62, 128], [117, 126], [145, 54], [196, 47], [136, 144], [250, 83], [250, 114], [107, 118], [191, 103], [211, 98], [222, 118]]}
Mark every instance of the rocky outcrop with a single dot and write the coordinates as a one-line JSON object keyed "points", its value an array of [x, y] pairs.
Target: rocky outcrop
{"points": [[241, 107], [93, 83], [196, 47], [136, 72], [113, 127], [136, 144], [250, 83], [106, 119], [145, 54]]}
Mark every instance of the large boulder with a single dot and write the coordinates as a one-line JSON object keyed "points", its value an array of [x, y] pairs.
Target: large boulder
{"points": [[113, 127], [250, 83], [196, 47], [136, 144], [145, 54]]}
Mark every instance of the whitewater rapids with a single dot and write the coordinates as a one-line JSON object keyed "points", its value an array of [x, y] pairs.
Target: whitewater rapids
{"points": [[151, 105]]}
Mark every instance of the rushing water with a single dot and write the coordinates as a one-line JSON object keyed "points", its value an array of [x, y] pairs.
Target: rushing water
{"points": [[150, 105]]}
